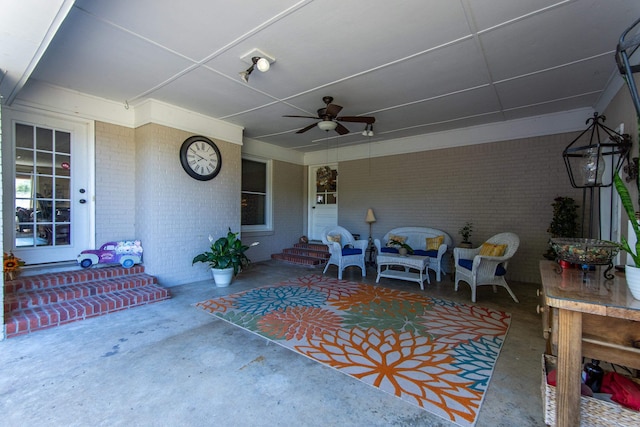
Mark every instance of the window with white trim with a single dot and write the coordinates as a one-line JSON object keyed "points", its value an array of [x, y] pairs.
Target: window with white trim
{"points": [[256, 194]]}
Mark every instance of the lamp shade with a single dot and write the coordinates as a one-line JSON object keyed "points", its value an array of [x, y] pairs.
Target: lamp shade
{"points": [[370, 216]]}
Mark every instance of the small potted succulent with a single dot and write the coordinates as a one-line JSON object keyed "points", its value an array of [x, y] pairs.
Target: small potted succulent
{"points": [[226, 258], [465, 232]]}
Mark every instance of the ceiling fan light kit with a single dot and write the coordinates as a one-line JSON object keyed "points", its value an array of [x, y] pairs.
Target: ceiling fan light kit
{"points": [[327, 125], [329, 119]]}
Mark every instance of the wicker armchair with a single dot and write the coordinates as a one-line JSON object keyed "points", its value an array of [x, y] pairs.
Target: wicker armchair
{"points": [[349, 252], [478, 270]]}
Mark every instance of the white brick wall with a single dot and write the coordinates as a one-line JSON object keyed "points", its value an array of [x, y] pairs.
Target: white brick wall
{"points": [[175, 213], [115, 182], [502, 186]]}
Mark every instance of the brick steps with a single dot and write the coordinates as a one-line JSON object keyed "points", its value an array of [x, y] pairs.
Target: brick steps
{"points": [[309, 254], [42, 301]]}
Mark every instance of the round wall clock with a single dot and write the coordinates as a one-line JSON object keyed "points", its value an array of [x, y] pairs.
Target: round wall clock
{"points": [[200, 158]]}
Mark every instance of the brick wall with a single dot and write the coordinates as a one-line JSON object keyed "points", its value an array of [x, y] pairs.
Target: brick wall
{"points": [[115, 182], [175, 213], [501, 186]]}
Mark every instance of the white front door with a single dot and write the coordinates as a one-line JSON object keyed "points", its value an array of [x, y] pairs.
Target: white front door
{"points": [[323, 199], [48, 169]]}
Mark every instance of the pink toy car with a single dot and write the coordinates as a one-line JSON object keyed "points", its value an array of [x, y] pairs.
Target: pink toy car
{"points": [[126, 253]]}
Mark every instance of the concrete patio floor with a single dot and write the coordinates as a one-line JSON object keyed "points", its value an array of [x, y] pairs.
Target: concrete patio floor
{"points": [[170, 364]]}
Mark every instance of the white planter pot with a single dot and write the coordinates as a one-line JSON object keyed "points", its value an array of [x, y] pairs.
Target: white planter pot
{"points": [[222, 276], [632, 275]]}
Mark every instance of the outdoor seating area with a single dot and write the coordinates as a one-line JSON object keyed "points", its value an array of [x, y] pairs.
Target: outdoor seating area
{"points": [[422, 241]]}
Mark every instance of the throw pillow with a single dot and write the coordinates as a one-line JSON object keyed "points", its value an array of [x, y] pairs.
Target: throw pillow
{"points": [[489, 249], [394, 238], [334, 238], [433, 243]]}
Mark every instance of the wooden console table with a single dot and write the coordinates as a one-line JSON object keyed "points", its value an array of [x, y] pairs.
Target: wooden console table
{"points": [[596, 318]]}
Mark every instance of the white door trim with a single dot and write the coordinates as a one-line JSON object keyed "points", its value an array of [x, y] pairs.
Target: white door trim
{"points": [[80, 128]]}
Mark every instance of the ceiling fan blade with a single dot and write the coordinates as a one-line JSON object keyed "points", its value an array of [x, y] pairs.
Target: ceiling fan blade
{"points": [[304, 129], [356, 119], [341, 129], [304, 117], [333, 109]]}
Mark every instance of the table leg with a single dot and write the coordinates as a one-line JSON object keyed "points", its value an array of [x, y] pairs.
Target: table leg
{"points": [[569, 368]]}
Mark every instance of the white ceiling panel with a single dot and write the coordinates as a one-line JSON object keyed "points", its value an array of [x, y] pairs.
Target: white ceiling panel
{"points": [[416, 66]]}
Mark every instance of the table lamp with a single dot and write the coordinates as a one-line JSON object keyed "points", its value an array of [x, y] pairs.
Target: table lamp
{"points": [[370, 219]]}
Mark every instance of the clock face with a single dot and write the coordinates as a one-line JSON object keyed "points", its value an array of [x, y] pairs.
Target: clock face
{"points": [[200, 158]]}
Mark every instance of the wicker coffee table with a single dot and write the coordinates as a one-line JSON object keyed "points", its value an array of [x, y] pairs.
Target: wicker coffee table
{"points": [[387, 260]]}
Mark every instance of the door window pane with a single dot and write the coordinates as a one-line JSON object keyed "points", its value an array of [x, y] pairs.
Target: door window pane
{"points": [[42, 187]]}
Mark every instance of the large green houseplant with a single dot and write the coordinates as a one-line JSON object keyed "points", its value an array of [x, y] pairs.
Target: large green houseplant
{"points": [[226, 253], [630, 209], [625, 198], [632, 273]]}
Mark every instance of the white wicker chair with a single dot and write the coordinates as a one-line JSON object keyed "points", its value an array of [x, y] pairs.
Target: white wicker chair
{"points": [[478, 270], [342, 256]]}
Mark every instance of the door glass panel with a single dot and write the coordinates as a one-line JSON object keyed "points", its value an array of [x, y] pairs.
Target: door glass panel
{"points": [[326, 186], [42, 189]]}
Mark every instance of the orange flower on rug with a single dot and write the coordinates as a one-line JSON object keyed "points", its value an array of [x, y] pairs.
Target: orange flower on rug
{"points": [[430, 352]]}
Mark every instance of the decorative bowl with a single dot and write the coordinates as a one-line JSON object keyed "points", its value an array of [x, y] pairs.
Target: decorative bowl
{"points": [[585, 251]]}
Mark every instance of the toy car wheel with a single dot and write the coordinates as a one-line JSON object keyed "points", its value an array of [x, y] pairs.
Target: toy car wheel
{"points": [[86, 263], [127, 263]]}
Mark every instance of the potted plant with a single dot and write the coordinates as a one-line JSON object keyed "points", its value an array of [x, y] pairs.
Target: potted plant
{"points": [[465, 232], [632, 272], [564, 222], [403, 248], [226, 258]]}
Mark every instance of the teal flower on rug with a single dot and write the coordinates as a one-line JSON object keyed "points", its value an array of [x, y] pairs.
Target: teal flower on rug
{"points": [[476, 360], [266, 300]]}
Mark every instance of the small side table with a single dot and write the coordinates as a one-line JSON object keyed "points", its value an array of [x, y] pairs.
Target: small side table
{"points": [[371, 254]]}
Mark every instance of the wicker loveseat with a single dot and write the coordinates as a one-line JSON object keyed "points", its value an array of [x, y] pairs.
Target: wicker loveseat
{"points": [[416, 238]]}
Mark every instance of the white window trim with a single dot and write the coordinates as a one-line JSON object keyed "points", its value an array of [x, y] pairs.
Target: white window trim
{"points": [[268, 226]]}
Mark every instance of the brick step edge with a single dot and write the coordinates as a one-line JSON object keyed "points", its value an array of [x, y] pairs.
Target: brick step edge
{"points": [[298, 259], [38, 297], [308, 253], [312, 246], [52, 280], [24, 321]]}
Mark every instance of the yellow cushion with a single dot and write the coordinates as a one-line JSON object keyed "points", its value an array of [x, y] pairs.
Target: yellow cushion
{"points": [[335, 238], [397, 239], [433, 243], [489, 249]]}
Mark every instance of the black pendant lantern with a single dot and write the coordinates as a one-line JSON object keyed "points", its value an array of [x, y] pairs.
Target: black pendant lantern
{"points": [[594, 151]]}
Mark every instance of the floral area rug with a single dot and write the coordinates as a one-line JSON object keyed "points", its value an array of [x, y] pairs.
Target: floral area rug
{"points": [[433, 353]]}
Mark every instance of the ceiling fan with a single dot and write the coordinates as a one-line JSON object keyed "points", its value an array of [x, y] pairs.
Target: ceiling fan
{"points": [[329, 119]]}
